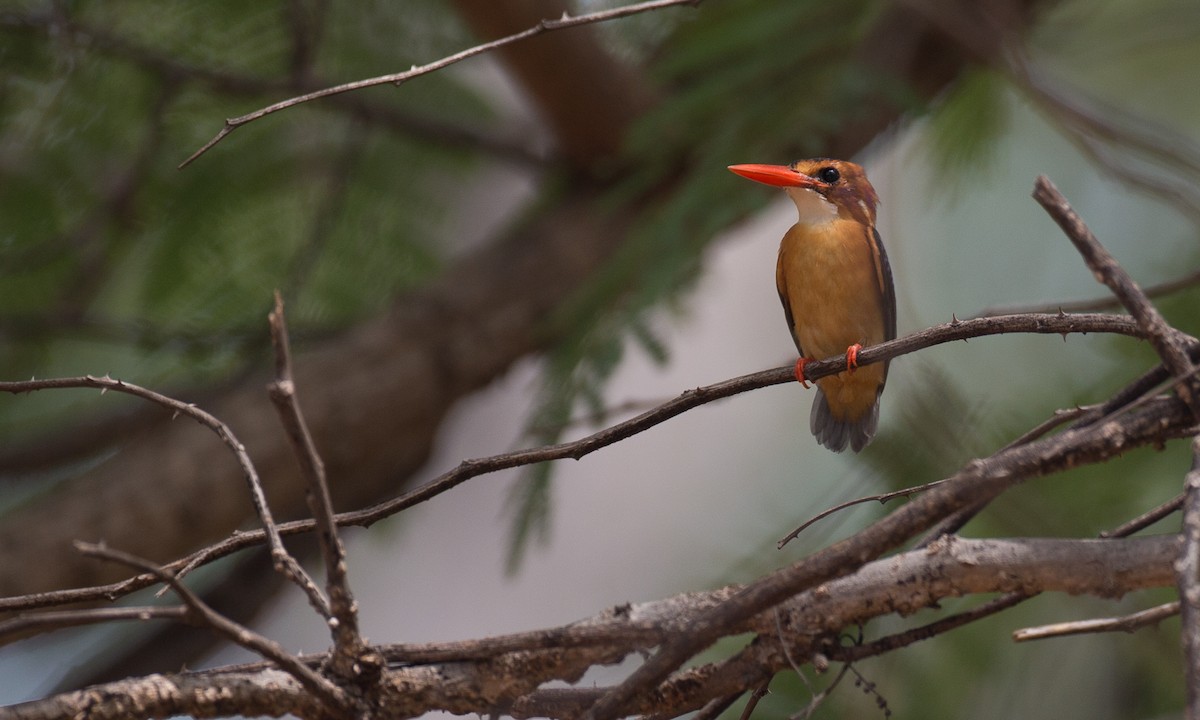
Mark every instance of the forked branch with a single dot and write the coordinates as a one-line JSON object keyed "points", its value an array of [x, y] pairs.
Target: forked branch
{"points": [[955, 330]]}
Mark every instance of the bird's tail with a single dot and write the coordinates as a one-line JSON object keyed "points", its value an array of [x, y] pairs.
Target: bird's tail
{"points": [[835, 434]]}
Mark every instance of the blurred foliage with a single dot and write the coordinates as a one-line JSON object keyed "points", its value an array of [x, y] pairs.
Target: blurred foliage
{"points": [[116, 261], [965, 125]]}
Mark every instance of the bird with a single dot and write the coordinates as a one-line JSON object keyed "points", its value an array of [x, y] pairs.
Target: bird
{"points": [[836, 288]]}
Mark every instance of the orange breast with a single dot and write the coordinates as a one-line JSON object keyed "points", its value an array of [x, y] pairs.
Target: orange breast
{"points": [[831, 289]]}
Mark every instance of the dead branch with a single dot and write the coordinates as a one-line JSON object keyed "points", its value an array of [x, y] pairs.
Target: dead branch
{"points": [[880, 498], [350, 659], [948, 332], [1108, 271], [284, 562], [501, 675], [977, 483], [23, 626], [1146, 519], [329, 695], [1126, 623], [546, 25], [1187, 572]]}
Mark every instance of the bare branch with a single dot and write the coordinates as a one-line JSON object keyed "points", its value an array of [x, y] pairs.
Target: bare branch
{"points": [[881, 498], [325, 691], [1125, 623], [502, 676], [1187, 572], [689, 400], [267, 693], [283, 560], [1108, 302], [23, 626], [924, 632], [230, 82], [1060, 417], [978, 482], [1146, 519], [349, 648], [713, 708], [1106, 269], [566, 21]]}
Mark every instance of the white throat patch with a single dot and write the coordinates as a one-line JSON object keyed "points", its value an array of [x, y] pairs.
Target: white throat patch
{"points": [[814, 209]]}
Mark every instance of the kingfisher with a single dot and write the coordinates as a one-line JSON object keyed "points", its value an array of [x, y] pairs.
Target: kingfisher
{"points": [[836, 288]]}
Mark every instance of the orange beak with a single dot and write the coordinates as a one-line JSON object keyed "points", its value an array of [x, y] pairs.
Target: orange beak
{"points": [[777, 175]]}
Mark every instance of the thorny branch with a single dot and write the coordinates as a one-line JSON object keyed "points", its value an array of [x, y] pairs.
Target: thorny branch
{"points": [[689, 400], [946, 502], [1176, 360], [333, 697], [1151, 422], [1108, 271], [796, 612], [979, 482], [283, 560], [350, 659], [502, 675]]}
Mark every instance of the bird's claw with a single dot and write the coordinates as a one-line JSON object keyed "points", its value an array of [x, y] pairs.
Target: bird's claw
{"points": [[800, 378], [852, 357]]}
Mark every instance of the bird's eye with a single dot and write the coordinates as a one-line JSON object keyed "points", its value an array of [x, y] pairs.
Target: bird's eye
{"points": [[829, 175]]}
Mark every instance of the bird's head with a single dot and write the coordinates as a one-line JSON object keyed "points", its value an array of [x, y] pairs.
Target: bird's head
{"points": [[823, 189]]}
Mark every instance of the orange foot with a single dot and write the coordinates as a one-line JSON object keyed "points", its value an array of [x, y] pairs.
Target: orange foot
{"points": [[852, 357], [800, 372]]}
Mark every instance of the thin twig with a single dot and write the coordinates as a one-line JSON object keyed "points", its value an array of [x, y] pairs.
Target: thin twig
{"points": [[979, 481], [566, 21], [1140, 392], [270, 530], [882, 498], [1146, 519], [1060, 417], [854, 653], [343, 620], [23, 626], [329, 694], [1187, 575], [230, 82], [970, 567], [1083, 417], [1108, 302], [1106, 269], [819, 697], [759, 693], [1125, 623], [714, 708], [947, 332]]}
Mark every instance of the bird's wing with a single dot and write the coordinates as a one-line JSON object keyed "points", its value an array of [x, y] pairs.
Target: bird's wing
{"points": [[887, 290], [781, 286], [887, 293]]}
